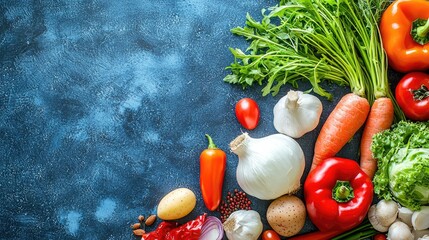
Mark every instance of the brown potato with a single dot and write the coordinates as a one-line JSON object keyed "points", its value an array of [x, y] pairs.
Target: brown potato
{"points": [[286, 215]]}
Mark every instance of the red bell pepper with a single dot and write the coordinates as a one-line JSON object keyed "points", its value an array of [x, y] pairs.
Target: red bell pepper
{"points": [[212, 173], [337, 194], [404, 28]]}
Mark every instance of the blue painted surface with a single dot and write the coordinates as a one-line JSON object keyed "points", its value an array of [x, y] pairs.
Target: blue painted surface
{"points": [[104, 106]]}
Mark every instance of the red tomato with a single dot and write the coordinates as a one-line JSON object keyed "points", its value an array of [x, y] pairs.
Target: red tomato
{"points": [[270, 235], [379, 236], [412, 95], [247, 113]]}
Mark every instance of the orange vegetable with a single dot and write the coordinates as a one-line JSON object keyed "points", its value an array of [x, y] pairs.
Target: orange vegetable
{"points": [[404, 28], [344, 121], [380, 118], [212, 172]]}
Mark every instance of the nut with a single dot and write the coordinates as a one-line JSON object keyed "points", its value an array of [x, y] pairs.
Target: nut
{"points": [[141, 218], [135, 225], [139, 232], [150, 220]]}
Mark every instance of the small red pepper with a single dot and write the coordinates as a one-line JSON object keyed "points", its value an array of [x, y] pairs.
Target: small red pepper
{"points": [[212, 172], [338, 194], [404, 28]]}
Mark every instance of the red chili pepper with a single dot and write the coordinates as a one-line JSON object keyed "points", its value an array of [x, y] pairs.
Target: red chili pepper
{"points": [[338, 194], [188, 231], [412, 95], [161, 230], [169, 230], [212, 172], [247, 113]]}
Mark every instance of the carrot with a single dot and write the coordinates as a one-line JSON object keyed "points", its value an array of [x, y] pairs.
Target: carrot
{"points": [[380, 118], [343, 122]]}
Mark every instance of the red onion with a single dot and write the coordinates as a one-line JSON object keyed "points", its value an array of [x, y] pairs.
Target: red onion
{"points": [[212, 229]]}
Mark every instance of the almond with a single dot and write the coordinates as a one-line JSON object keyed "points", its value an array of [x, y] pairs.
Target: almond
{"points": [[150, 220], [135, 225], [139, 232]]}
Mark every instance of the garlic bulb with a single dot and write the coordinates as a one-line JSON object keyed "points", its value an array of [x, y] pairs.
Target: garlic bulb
{"points": [[243, 225], [297, 113], [268, 167]]}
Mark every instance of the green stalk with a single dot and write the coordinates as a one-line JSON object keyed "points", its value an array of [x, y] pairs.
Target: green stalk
{"points": [[315, 40], [363, 231]]}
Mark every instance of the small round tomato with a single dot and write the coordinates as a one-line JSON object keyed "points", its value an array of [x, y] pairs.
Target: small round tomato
{"points": [[379, 236], [270, 235], [247, 113], [412, 95]]}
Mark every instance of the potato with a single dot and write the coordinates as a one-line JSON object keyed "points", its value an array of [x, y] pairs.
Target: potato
{"points": [[176, 204], [286, 215]]}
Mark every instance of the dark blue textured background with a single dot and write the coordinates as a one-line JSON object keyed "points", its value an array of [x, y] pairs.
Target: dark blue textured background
{"points": [[104, 106]]}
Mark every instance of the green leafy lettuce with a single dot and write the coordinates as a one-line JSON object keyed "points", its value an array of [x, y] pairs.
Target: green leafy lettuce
{"points": [[402, 153]]}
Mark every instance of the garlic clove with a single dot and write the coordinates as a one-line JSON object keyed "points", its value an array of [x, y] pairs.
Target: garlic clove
{"points": [[405, 214], [420, 219]]}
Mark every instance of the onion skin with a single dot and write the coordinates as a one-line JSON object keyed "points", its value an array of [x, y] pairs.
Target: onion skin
{"points": [[211, 224]]}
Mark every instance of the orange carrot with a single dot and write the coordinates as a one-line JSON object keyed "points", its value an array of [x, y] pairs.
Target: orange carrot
{"points": [[380, 118], [344, 121]]}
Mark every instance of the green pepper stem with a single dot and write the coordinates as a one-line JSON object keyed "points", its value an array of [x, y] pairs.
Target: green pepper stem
{"points": [[422, 31], [212, 145], [342, 191], [420, 93]]}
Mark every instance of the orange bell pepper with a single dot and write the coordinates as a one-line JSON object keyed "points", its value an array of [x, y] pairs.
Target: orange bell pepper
{"points": [[404, 28]]}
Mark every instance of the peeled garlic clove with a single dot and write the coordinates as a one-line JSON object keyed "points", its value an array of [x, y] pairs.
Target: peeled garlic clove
{"points": [[420, 219], [405, 214]]}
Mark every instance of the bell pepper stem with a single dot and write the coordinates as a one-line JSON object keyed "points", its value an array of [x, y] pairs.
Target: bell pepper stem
{"points": [[211, 145], [420, 93], [342, 191], [422, 31]]}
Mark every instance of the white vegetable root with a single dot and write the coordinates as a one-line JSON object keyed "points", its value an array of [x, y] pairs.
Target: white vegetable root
{"points": [[405, 214], [420, 219]]}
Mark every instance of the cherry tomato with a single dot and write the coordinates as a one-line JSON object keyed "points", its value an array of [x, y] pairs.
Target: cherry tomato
{"points": [[247, 113], [412, 95], [379, 236], [270, 235]]}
